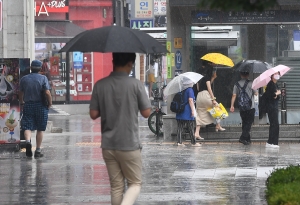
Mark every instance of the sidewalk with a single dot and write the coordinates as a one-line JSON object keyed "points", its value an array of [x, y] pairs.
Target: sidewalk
{"points": [[73, 172]]}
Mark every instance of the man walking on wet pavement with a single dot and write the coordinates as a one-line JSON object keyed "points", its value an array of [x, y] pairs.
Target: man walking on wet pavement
{"points": [[117, 100], [35, 113], [247, 109]]}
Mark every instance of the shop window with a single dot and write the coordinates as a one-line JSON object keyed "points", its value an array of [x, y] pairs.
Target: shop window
{"points": [[81, 81]]}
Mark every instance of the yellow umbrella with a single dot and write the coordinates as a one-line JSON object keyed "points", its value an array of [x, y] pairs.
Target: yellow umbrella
{"points": [[218, 58]]}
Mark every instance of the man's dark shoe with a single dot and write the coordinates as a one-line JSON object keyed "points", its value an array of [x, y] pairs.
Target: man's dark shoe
{"points": [[244, 142], [28, 150], [38, 154]]}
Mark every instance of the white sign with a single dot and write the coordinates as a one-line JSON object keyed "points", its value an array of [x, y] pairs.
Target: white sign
{"points": [[160, 7], [144, 9], [1, 15], [53, 6]]}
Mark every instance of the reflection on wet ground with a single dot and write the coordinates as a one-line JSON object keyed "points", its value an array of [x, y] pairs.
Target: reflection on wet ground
{"points": [[73, 172]]}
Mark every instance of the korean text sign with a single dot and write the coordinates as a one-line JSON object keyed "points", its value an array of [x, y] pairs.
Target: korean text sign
{"points": [[144, 9]]}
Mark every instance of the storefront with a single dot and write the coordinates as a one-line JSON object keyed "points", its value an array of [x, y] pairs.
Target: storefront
{"points": [[271, 36], [56, 22]]}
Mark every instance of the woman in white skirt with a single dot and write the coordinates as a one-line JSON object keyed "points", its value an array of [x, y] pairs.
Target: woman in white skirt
{"points": [[206, 100]]}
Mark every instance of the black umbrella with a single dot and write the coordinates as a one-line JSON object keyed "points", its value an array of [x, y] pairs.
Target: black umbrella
{"points": [[115, 39], [252, 66]]}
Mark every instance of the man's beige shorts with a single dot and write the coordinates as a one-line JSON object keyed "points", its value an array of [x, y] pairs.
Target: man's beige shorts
{"points": [[123, 164]]}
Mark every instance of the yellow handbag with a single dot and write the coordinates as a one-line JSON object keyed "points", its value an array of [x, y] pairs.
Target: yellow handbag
{"points": [[218, 112]]}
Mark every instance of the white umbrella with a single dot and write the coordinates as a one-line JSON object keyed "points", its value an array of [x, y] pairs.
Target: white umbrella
{"points": [[181, 82]]}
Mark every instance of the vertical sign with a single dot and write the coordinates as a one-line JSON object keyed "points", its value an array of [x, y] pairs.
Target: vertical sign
{"points": [[169, 46], [296, 40], [169, 65], [160, 7], [54, 65], [178, 59], [144, 9], [77, 60], [173, 59], [169, 60], [1, 15], [9, 103], [177, 42]]}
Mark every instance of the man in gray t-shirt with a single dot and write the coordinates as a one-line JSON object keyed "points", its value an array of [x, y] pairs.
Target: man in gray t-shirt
{"points": [[117, 99], [246, 115]]}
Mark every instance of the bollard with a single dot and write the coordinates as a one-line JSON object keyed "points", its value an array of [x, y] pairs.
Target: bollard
{"points": [[283, 104]]}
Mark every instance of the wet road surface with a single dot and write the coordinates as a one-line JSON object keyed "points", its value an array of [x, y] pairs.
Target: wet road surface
{"points": [[73, 172]]}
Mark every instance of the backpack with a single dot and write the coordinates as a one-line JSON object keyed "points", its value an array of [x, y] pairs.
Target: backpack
{"points": [[244, 101], [178, 104]]}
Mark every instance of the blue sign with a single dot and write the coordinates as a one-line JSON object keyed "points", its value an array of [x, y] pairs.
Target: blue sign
{"points": [[178, 59], [138, 23], [77, 60], [296, 35], [144, 5]]}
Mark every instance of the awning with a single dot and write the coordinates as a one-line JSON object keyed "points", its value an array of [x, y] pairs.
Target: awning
{"points": [[55, 31], [201, 36]]}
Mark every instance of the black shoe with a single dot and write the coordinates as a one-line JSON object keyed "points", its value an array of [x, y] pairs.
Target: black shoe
{"points": [[28, 150], [211, 125], [38, 154], [244, 142]]}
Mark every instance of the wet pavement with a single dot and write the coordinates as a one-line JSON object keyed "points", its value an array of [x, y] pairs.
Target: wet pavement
{"points": [[73, 172]]}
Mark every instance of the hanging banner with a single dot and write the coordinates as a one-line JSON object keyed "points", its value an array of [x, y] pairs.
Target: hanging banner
{"points": [[169, 65], [9, 100]]}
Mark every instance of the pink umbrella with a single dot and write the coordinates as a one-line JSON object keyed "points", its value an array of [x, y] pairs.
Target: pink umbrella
{"points": [[264, 78]]}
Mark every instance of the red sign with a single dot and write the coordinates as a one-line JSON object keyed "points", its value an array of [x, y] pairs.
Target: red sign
{"points": [[51, 7], [54, 65], [0, 15]]}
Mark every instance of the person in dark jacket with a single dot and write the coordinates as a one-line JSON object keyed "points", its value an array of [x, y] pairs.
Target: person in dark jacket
{"points": [[272, 96]]}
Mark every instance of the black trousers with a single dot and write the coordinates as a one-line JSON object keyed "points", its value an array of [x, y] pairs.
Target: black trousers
{"points": [[247, 121], [274, 126], [190, 124]]}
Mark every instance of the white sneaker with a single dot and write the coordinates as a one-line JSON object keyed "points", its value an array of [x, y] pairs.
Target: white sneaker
{"points": [[272, 145], [180, 144], [151, 98], [275, 146], [196, 145], [268, 145]]}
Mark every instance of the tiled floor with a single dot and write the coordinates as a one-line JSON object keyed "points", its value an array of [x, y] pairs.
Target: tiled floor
{"points": [[73, 172]]}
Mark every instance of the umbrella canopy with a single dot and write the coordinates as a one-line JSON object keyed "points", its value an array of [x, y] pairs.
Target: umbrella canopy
{"points": [[181, 82], [264, 78], [254, 66], [218, 58], [115, 39]]}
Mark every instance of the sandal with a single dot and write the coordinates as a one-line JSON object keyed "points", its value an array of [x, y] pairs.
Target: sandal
{"points": [[199, 138]]}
